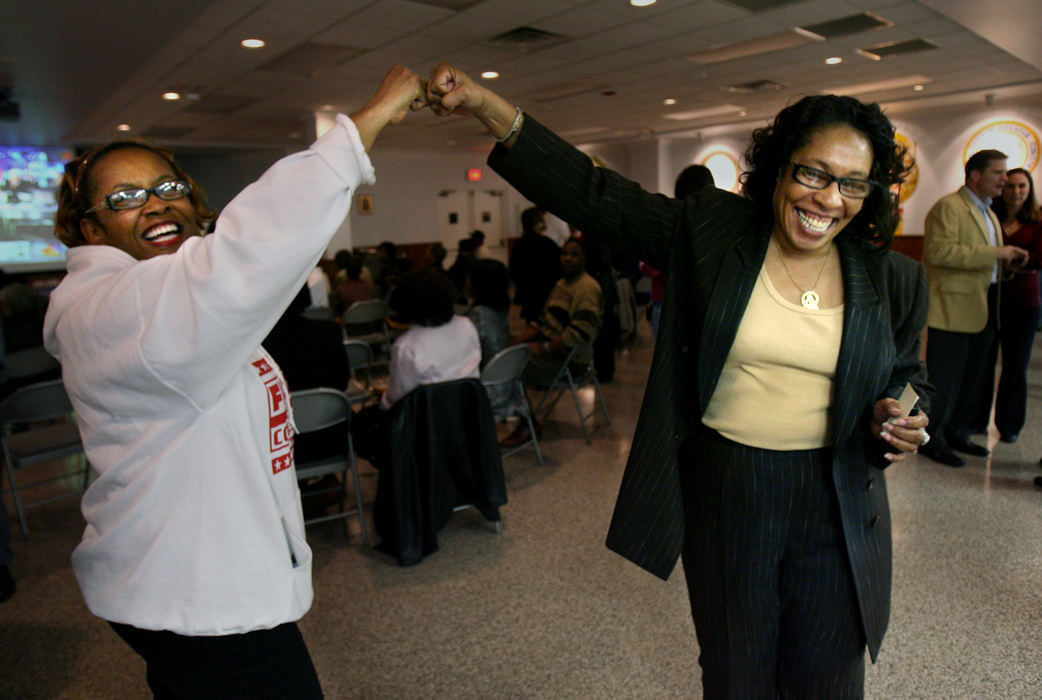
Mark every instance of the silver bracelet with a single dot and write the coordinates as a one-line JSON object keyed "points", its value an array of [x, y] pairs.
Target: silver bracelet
{"points": [[513, 127]]}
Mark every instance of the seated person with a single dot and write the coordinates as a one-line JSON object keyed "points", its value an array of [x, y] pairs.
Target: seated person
{"points": [[352, 288], [310, 353], [571, 316], [489, 287], [438, 347], [318, 285]]}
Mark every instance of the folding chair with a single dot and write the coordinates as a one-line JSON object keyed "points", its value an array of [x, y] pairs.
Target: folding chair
{"points": [[371, 314], [33, 404], [29, 362], [564, 379], [317, 409], [360, 360], [504, 369]]}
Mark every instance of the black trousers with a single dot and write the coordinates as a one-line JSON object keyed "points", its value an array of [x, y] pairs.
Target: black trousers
{"points": [[1016, 337], [771, 590], [961, 367], [273, 664]]}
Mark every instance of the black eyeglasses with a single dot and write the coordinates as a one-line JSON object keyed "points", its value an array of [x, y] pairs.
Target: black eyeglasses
{"points": [[819, 179], [137, 196]]}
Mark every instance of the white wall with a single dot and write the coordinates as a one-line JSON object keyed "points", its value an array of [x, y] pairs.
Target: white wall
{"points": [[408, 182], [940, 140]]}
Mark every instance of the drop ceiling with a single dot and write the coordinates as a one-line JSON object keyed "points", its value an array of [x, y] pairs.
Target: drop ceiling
{"points": [[597, 70]]}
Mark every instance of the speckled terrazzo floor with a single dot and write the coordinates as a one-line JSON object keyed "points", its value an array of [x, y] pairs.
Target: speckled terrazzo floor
{"points": [[543, 610]]}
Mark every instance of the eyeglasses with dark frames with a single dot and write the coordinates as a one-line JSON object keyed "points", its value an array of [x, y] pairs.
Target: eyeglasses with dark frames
{"points": [[138, 196], [816, 179]]}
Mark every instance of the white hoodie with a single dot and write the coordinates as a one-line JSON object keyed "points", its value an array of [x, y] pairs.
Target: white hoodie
{"points": [[194, 523]]}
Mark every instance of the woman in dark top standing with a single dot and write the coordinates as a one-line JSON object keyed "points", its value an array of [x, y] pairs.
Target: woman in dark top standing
{"points": [[788, 332], [1018, 211]]}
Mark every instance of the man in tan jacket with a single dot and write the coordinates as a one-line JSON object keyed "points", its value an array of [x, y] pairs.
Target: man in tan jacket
{"points": [[962, 252]]}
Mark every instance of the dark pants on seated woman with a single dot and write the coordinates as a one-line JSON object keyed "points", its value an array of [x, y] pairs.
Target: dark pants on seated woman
{"points": [[272, 663], [771, 591]]}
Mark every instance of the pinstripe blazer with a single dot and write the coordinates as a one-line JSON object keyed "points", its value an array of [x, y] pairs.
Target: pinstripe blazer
{"points": [[713, 245]]}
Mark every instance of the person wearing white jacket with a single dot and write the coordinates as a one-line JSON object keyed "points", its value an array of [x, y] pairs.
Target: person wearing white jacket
{"points": [[194, 548]]}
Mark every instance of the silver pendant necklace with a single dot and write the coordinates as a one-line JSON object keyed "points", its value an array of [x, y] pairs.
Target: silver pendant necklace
{"points": [[810, 298]]}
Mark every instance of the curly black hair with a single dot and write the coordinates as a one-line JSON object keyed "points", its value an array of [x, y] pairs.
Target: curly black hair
{"points": [[424, 297], [773, 145]]}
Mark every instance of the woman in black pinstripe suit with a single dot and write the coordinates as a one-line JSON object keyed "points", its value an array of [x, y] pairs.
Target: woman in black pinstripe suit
{"points": [[788, 331]]}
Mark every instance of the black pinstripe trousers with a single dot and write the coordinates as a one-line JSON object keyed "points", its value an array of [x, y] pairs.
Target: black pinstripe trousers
{"points": [[772, 594]]}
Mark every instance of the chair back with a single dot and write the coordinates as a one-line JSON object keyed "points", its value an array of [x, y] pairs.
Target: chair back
{"points": [[506, 365], [360, 358], [35, 402], [26, 363], [316, 409], [368, 311]]}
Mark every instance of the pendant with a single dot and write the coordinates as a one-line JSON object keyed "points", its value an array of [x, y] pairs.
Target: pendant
{"points": [[810, 300]]}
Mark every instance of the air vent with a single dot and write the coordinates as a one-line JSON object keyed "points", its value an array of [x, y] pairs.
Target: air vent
{"points": [[896, 48], [165, 133], [753, 86], [218, 104], [448, 4], [851, 24], [563, 91], [529, 36], [761, 5], [310, 59], [778, 41]]}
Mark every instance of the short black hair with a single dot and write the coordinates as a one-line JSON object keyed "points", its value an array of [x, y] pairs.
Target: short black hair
{"points": [[691, 179], [773, 145], [490, 284], [424, 297]]}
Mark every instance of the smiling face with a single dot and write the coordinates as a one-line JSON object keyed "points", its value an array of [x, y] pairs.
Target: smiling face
{"points": [[1016, 191], [806, 220], [157, 228]]}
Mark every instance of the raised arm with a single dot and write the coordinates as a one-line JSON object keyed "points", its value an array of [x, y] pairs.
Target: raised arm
{"points": [[558, 177]]}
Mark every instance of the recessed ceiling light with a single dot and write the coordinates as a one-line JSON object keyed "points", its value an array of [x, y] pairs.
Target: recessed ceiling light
{"points": [[123, 127], [918, 88], [833, 60], [489, 75], [642, 3], [252, 43], [669, 101], [171, 95]]}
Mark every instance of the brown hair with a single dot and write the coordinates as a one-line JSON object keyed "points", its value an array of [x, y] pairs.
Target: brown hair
{"points": [[76, 192], [1029, 212]]}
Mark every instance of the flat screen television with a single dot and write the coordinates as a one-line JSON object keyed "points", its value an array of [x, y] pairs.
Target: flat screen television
{"points": [[29, 180]]}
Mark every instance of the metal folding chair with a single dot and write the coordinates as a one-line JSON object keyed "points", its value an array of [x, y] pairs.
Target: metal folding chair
{"points": [[371, 314], [38, 406], [566, 379], [505, 368], [317, 409], [360, 361]]}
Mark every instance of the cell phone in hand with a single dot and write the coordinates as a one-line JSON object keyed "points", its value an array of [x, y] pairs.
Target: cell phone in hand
{"points": [[907, 401]]}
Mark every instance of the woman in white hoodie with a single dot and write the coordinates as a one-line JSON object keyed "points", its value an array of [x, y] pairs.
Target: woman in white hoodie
{"points": [[194, 547]]}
